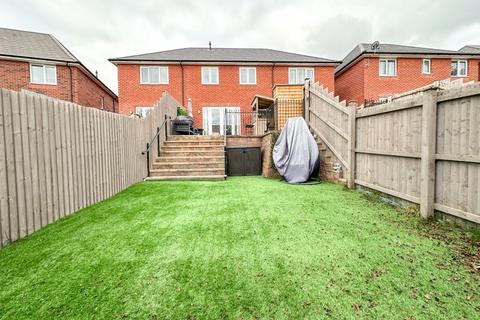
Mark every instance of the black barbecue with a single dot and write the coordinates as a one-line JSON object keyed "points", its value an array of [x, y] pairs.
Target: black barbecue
{"points": [[183, 125]]}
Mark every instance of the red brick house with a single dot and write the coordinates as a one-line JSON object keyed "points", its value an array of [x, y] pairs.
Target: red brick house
{"points": [[377, 72], [213, 78], [38, 62]]}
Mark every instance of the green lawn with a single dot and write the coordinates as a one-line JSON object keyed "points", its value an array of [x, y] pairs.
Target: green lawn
{"points": [[246, 248]]}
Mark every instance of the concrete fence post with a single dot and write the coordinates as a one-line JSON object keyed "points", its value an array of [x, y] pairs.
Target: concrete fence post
{"points": [[429, 132], [352, 110]]}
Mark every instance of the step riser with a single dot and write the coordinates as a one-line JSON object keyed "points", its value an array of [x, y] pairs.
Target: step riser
{"points": [[192, 148], [163, 159], [187, 173], [190, 138], [189, 178], [192, 165], [199, 143], [192, 153]]}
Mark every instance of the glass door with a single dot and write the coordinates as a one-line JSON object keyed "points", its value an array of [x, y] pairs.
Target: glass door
{"points": [[215, 122]]}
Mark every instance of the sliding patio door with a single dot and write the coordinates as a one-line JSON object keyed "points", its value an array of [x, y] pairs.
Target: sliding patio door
{"points": [[217, 121]]}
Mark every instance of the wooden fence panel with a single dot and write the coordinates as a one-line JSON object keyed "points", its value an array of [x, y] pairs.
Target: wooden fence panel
{"points": [[57, 157], [329, 120], [390, 140], [4, 208], [458, 157], [424, 148]]}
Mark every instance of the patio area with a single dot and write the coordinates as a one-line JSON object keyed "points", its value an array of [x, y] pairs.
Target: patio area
{"points": [[245, 248]]}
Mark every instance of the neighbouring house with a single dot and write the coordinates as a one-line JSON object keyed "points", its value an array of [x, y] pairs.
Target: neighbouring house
{"points": [[213, 79], [379, 71], [470, 48], [38, 62]]}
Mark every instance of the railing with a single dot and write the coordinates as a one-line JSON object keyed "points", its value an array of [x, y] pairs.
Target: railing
{"points": [[156, 137], [253, 123]]}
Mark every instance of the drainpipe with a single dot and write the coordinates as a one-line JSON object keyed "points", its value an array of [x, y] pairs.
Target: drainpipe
{"points": [[183, 85], [71, 82], [273, 73]]}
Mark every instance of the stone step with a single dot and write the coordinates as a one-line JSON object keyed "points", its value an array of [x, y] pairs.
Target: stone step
{"points": [[192, 153], [198, 143], [195, 138], [188, 165], [187, 172], [193, 148], [175, 159], [189, 178]]}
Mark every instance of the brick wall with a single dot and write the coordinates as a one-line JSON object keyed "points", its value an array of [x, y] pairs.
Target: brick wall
{"points": [[229, 91], [88, 93], [15, 75], [350, 84], [409, 76], [132, 94]]}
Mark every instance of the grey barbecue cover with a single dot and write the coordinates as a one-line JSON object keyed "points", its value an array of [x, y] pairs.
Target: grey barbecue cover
{"points": [[295, 153]]}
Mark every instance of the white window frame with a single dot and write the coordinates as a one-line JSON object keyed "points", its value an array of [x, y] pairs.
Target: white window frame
{"points": [[457, 61], [44, 67], [247, 70], [210, 69], [294, 81], [142, 112], [387, 60], [160, 82], [429, 66]]}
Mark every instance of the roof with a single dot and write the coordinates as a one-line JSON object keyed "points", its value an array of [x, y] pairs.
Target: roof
{"points": [[224, 55], [385, 48], [26, 44], [470, 49], [43, 46]]}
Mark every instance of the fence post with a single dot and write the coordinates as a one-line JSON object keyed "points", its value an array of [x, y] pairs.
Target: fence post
{"points": [[158, 141], [166, 128], [429, 132], [306, 103], [148, 159], [352, 110]]}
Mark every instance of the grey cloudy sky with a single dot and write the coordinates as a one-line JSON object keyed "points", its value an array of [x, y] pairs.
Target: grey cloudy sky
{"points": [[96, 30]]}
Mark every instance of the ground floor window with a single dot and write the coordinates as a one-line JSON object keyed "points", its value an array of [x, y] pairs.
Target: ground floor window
{"points": [[143, 111], [221, 120]]}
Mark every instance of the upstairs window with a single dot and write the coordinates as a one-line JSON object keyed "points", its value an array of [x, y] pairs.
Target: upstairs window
{"points": [[248, 75], [209, 75], [459, 68], [388, 67], [43, 74], [427, 66], [298, 75], [154, 75]]}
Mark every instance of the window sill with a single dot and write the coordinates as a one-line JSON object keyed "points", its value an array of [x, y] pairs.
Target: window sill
{"points": [[153, 84], [465, 76], [43, 84], [210, 84]]}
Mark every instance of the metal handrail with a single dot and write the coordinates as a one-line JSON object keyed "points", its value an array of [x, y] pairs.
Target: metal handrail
{"points": [[149, 144]]}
